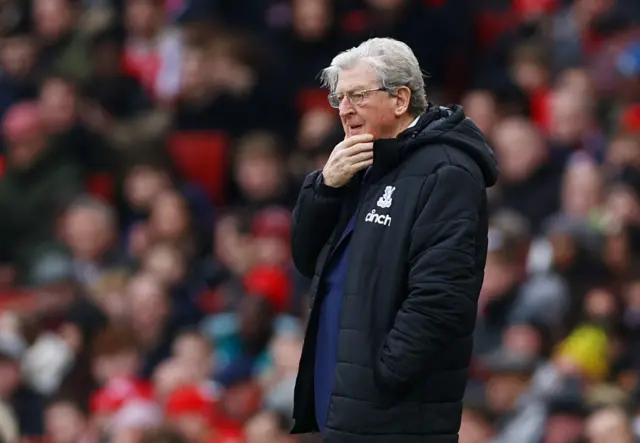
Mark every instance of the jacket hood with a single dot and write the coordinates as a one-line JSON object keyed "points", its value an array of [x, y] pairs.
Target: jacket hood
{"points": [[444, 126]]}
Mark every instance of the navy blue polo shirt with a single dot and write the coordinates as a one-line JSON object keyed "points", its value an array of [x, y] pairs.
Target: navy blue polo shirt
{"points": [[326, 357]]}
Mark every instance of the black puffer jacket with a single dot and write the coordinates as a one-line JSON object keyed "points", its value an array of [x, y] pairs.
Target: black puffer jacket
{"points": [[416, 265]]}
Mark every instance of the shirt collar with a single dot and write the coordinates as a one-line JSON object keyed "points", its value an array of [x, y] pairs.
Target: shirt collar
{"points": [[413, 123]]}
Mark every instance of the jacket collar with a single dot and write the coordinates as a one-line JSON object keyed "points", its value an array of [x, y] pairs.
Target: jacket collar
{"points": [[389, 153]]}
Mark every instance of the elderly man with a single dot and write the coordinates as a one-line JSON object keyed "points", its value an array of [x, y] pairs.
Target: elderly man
{"points": [[393, 232]]}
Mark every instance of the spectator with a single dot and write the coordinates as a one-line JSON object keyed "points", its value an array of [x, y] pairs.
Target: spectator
{"points": [[572, 126], [582, 189], [607, 425], [480, 106], [66, 422], [149, 306], [168, 265], [170, 221], [505, 272], [89, 232], [151, 51], [201, 105], [240, 350], [278, 380], [63, 122], [17, 59], [194, 351], [530, 178], [115, 356], [37, 185], [622, 151], [118, 95], [63, 45], [260, 172], [271, 230]]}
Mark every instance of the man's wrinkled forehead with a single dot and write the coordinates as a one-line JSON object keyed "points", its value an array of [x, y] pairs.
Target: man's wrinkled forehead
{"points": [[358, 78]]}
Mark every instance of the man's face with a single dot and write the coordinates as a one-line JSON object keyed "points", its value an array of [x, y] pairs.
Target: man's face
{"points": [[600, 304], [271, 250], [286, 352], [311, 18], [64, 423], [166, 264], [581, 189], [259, 178], [562, 428], [17, 55], [624, 151], [52, 18], [87, 233], [522, 339], [480, 106], [376, 114], [520, 150], [170, 375], [570, 117], [142, 185], [58, 104], [169, 216], [142, 17], [147, 304], [195, 76], [608, 425], [504, 389], [193, 351]]}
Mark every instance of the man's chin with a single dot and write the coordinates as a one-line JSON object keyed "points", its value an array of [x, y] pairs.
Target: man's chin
{"points": [[357, 131]]}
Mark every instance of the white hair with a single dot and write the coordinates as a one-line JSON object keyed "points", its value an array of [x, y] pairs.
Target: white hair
{"points": [[395, 65], [97, 206]]}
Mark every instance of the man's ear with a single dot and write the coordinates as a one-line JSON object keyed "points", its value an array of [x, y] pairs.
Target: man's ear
{"points": [[403, 97]]}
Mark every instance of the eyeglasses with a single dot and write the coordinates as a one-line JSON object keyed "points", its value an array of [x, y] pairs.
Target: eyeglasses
{"points": [[355, 97]]}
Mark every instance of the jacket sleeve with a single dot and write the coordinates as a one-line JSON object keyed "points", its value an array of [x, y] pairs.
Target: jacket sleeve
{"points": [[442, 282], [315, 215]]}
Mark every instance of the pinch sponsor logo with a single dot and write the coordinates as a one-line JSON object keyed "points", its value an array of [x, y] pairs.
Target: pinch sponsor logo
{"points": [[379, 219]]}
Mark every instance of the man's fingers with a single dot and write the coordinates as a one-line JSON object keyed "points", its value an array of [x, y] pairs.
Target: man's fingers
{"points": [[360, 157], [358, 148], [355, 139], [361, 165]]}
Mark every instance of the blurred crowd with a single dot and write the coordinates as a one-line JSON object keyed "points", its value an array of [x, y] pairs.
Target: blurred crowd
{"points": [[151, 153]]}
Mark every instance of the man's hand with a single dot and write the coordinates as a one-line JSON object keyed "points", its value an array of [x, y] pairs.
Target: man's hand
{"points": [[348, 157]]}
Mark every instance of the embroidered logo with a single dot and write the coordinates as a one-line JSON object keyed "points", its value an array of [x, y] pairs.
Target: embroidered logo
{"points": [[386, 200]]}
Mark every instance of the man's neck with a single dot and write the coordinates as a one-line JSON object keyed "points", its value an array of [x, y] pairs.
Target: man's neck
{"points": [[403, 124]]}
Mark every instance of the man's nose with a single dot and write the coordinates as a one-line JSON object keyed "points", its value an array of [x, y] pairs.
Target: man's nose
{"points": [[345, 107]]}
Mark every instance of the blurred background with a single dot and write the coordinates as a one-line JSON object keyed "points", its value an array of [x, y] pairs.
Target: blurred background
{"points": [[151, 153]]}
